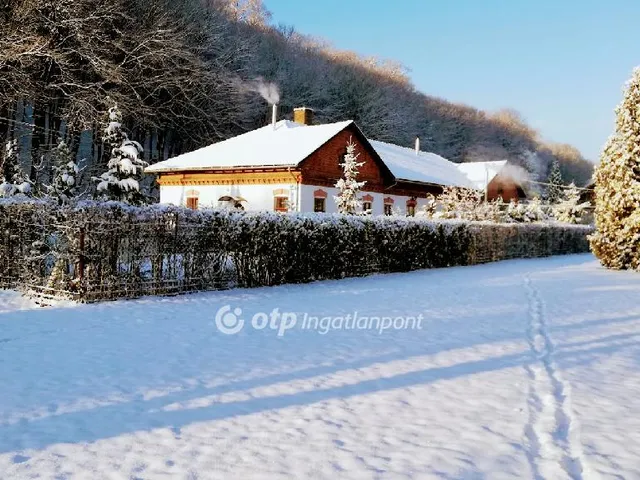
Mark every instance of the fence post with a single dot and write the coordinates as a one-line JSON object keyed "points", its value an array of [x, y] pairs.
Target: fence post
{"points": [[81, 256]]}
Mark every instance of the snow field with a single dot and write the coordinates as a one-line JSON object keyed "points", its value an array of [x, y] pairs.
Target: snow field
{"points": [[523, 369]]}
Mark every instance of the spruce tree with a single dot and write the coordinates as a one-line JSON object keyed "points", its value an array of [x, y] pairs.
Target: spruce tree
{"points": [[617, 190], [65, 181], [125, 168], [348, 187], [554, 189]]}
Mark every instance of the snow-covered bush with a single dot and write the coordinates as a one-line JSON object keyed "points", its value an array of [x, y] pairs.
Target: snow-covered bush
{"points": [[570, 209], [106, 250], [348, 186], [466, 204], [536, 211], [121, 182], [13, 181], [65, 174], [493, 211], [617, 191], [532, 211], [458, 203]]}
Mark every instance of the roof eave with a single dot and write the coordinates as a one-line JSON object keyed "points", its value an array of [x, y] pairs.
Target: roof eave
{"points": [[221, 169]]}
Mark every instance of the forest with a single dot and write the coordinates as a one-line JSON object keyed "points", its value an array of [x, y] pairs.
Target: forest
{"points": [[187, 73]]}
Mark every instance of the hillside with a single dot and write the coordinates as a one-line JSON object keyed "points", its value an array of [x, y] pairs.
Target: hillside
{"points": [[185, 74]]}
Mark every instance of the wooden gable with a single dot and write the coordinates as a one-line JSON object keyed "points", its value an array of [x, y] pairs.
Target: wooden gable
{"points": [[322, 167]]}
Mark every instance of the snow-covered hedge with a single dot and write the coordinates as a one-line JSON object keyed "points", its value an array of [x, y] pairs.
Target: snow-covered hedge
{"points": [[97, 251]]}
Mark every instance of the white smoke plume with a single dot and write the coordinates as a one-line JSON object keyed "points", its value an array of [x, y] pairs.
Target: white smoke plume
{"points": [[268, 90], [523, 177]]}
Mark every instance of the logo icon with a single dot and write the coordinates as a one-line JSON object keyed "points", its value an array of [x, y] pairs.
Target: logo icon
{"points": [[228, 321]]}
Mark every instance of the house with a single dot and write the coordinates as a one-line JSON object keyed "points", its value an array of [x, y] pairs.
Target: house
{"points": [[294, 165]]}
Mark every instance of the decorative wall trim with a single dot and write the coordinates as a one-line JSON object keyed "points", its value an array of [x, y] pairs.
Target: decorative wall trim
{"points": [[389, 201], [243, 178], [320, 193], [367, 198]]}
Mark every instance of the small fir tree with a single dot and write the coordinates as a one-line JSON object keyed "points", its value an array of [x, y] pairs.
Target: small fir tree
{"points": [[65, 174], [12, 178], [570, 209], [616, 241], [348, 187], [122, 180], [554, 189]]}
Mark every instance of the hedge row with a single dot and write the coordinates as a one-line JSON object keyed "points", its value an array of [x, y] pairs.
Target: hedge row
{"points": [[96, 251]]}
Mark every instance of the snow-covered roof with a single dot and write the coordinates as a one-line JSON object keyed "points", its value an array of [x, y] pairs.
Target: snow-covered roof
{"points": [[290, 143], [424, 167], [481, 173], [285, 146]]}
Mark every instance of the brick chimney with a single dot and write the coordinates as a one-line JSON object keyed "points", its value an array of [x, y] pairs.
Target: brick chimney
{"points": [[303, 115]]}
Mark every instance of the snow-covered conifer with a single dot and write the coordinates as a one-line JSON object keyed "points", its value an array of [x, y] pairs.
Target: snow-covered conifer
{"points": [[617, 191], [554, 189], [65, 174], [348, 186], [125, 167], [570, 209], [12, 178]]}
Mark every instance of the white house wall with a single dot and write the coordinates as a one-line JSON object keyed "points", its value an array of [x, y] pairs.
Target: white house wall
{"points": [[258, 197]]}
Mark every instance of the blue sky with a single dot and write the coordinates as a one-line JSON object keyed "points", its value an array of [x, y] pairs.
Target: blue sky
{"points": [[561, 63]]}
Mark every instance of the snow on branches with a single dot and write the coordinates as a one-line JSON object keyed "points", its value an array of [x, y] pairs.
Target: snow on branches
{"points": [[65, 180], [348, 187], [570, 209], [617, 190], [121, 182], [554, 192], [13, 181]]}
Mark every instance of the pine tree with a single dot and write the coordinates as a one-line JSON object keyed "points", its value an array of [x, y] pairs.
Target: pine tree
{"points": [[554, 189], [12, 178], [121, 181], [348, 187], [65, 181], [570, 209], [617, 191]]}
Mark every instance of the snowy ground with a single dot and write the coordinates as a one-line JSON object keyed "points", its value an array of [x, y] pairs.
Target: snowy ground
{"points": [[522, 369]]}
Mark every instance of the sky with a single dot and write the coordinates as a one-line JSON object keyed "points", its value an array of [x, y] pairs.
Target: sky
{"points": [[561, 63]]}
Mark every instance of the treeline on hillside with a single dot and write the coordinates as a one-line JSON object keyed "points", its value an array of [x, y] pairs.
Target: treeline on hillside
{"points": [[185, 74]]}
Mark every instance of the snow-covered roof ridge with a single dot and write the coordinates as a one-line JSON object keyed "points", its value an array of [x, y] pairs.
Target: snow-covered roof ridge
{"points": [[285, 146], [425, 167], [290, 143]]}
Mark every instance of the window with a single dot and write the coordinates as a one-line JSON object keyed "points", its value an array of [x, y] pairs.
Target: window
{"points": [[281, 200], [388, 206], [281, 204], [192, 203], [411, 207], [320, 200], [367, 204]]}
